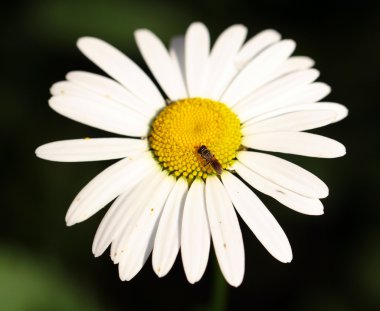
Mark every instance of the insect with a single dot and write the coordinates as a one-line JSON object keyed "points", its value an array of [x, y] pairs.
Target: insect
{"points": [[210, 159]]}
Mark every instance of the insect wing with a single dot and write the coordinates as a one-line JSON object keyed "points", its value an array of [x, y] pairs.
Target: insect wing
{"points": [[217, 166]]}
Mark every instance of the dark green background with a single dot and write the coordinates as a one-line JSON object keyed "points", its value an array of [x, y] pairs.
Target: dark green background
{"points": [[46, 266]]}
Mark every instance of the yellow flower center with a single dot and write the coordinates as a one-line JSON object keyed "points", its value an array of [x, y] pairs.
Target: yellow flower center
{"points": [[182, 127]]}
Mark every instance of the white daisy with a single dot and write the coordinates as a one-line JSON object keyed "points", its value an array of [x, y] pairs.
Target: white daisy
{"points": [[230, 99]]}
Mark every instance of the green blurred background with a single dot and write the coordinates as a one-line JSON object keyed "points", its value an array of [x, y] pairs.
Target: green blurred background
{"points": [[46, 266]]}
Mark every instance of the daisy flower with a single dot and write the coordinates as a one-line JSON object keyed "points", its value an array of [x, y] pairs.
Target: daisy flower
{"points": [[187, 159]]}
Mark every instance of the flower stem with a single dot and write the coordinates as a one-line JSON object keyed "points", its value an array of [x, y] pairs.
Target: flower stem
{"points": [[220, 290]]}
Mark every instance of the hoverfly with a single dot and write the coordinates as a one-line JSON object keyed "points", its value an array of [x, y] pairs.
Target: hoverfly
{"points": [[210, 159]]}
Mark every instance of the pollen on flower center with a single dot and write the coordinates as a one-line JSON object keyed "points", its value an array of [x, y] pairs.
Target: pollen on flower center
{"points": [[183, 126]]}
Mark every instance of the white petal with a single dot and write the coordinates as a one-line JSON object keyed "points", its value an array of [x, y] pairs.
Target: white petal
{"points": [[305, 94], [77, 90], [312, 93], [110, 89], [292, 64], [139, 234], [121, 211], [284, 174], [279, 92], [225, 231], [122, 69], [256, 73], [280, 87], [134, 212], [300, 143], [195, 234], [108, 228], [95, 149], [290, 199], [101, 114], [258, 218], [166, 72], [168, 237], [296, 121], [197, 47], [68, 88], [221, 62], [255, 45], [177, 53], [339, 110], [107, 186]]}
